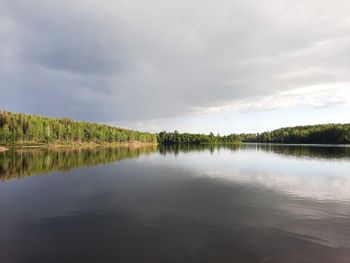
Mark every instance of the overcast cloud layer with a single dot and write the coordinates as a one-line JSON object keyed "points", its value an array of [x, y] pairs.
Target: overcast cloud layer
{"points": [[134, 61]]}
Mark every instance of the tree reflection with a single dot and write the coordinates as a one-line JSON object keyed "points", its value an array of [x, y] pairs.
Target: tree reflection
{"points": [[22, 163]]}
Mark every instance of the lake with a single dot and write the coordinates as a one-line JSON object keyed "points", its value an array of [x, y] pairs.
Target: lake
{"points": [[238, 203]]}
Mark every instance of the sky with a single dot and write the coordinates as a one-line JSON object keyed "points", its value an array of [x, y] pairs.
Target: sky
{"points": [[224, 66]]}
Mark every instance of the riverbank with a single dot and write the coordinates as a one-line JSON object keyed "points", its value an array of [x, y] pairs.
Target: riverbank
{"points": [[58, 145], [3, 149]]}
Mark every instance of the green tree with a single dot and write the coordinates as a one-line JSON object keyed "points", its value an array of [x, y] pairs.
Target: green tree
{"points": [[5, 134]]}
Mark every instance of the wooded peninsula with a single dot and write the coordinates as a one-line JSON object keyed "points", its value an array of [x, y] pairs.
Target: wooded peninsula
{"points": [[17, 129]]}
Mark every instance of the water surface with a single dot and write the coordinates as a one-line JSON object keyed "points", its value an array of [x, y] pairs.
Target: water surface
{"points": [[246, 203]]}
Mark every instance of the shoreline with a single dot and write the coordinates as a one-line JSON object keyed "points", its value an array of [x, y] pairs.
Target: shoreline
{"points": [[132, 144], [3, 149]]}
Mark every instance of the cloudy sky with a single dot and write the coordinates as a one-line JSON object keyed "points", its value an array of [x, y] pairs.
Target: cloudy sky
{"points": [[223, 66]]}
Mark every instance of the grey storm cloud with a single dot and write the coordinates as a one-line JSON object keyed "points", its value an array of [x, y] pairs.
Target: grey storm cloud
{"points": [[138, 60]]}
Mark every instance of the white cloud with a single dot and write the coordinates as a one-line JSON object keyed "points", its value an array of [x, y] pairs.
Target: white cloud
{"points": [[316, 96]]}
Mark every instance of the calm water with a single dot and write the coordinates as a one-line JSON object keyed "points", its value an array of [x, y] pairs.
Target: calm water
{"points": [[248, 203]]}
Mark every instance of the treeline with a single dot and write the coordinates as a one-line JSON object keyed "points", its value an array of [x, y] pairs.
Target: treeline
{"points": [[323, 134], [19, 128], [313, 134], [183, 138], [23, 128]]}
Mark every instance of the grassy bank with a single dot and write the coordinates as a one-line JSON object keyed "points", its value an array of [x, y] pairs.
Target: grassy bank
{"points": [[60, 144]]}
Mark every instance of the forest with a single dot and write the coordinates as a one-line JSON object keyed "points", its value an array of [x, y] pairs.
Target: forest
{"points": [[181, 138], [18, 128], [313, 134], [323, 134]]}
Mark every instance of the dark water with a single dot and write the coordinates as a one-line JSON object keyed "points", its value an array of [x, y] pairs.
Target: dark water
{"points": [[248, 203]]}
